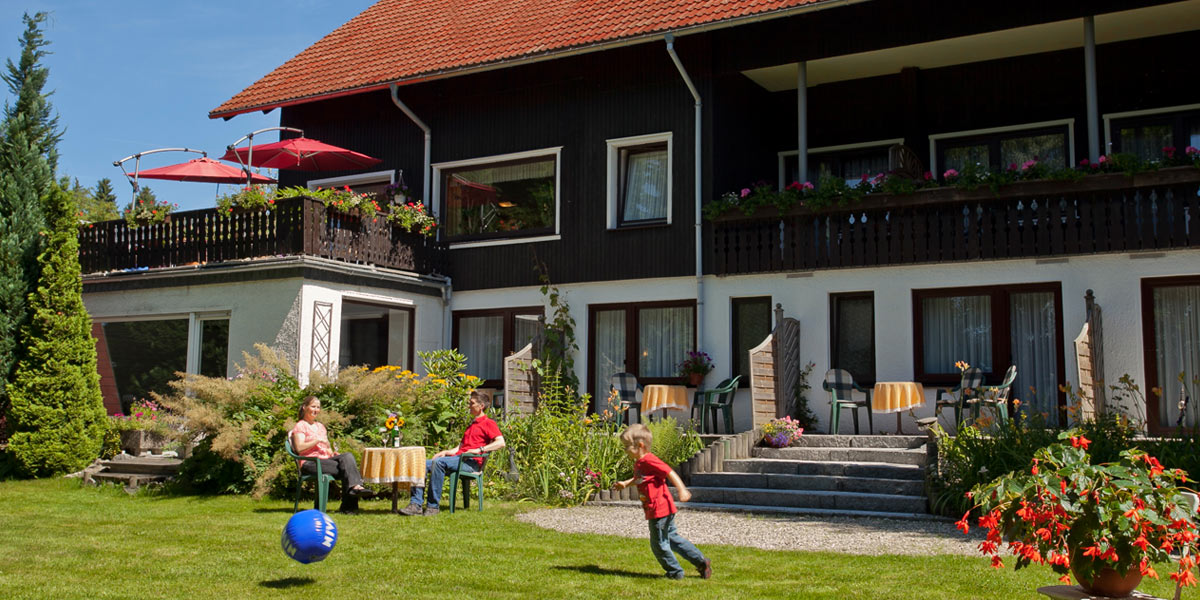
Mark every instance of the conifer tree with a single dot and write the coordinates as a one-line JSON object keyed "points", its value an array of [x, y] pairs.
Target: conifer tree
{"points": [[56, 413], [104, 193], [28, 136]]}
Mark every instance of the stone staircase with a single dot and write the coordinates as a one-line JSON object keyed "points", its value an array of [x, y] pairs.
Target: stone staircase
{"points": [[132, 472], [844, 475]]}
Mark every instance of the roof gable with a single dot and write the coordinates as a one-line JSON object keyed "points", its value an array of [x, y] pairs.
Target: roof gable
{"points": [[399, 40]]}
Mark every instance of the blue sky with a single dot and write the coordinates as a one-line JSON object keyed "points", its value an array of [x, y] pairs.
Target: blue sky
{"points": [[135, 75]]}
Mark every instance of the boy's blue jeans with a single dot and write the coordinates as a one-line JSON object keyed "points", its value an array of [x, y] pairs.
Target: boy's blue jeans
{"points": [[437, 470], [665, 541]]}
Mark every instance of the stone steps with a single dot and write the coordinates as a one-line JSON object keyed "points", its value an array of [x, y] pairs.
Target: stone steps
{"points": [[133, 473], [828, 483], [831, 500], [861, 441], [900, 456], [832, 469]]}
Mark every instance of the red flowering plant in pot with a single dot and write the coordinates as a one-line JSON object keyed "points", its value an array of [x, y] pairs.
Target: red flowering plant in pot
{"points": [[1104, 523]]}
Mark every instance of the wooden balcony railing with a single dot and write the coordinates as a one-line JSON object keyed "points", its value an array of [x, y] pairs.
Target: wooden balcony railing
{"points": [[295, 226], [1097, 214]]}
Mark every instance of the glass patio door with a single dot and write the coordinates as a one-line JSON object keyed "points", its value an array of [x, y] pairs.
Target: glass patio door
{"points": [[610, 352], [1034, 336]]}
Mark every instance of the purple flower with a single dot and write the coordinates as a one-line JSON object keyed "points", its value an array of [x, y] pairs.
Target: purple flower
{"points": [[745, 192]]}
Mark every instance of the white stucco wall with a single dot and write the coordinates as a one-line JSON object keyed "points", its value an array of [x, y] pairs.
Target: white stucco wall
{"points": [[1115, 278], [258, 311]]}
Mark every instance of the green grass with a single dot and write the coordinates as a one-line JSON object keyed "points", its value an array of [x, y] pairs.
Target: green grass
{"points": [[62, 540]]}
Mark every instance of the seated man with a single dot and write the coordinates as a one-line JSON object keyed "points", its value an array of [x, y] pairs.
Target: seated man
{"points": [[482, 435]]}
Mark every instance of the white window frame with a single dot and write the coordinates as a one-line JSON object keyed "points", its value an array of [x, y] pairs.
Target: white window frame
{"points": [[351, 180], [1108, 118], [827, 149], [614, 171], [1070, 123], [555, 151]]}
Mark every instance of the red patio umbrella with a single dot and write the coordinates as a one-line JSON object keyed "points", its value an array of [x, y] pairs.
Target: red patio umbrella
{"points": [[302, 154], [202, 169]]}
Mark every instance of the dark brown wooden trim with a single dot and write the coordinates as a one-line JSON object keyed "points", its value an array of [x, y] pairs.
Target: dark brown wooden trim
{"points": [[1154, 379], [833, 329], [631, 339], [735, 332], [506, 345]]}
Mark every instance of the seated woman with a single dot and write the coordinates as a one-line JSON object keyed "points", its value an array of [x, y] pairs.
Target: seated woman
{"points": [[310, 439]]}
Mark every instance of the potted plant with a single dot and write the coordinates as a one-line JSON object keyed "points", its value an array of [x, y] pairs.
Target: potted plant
{"points": [[1106, 524], [142, 429], [781, 433], [250, 197], [695, 367], [145, 209]]}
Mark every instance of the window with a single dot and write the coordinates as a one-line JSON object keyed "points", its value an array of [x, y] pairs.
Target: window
{"points": [[1171, 325], [751, 325], [374, 335], [486, 337], [145, 353], [1051, 143], [993, 328], [1145, 133], [852, 335], [647, 339], [515, 195], [375, 183], [639, 180], [849, 162]]}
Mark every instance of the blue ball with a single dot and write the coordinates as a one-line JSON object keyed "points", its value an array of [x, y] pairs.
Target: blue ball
{"points": [[309, 536]]}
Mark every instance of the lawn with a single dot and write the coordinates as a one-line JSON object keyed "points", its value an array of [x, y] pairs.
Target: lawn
{"points": [[61, 540]]}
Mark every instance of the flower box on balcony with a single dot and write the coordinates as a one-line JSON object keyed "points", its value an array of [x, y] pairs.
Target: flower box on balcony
{"points": [[949, 194]]}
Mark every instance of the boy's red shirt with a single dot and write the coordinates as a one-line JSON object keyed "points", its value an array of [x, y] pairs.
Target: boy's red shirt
{"points": [[650, 474]]}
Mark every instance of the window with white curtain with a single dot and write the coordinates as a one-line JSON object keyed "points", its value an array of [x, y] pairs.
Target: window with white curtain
{"points": [[639, 180], [487, 337], [993, 328], [1173, 364], [648, 340], [1147, 134]]}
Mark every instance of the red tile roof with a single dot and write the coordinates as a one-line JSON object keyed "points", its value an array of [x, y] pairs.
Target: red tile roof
{"points": [[409, 40]]}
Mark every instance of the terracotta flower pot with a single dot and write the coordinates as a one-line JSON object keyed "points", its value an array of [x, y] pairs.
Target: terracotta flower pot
{"points": [[1109, 582], [695, 379]]}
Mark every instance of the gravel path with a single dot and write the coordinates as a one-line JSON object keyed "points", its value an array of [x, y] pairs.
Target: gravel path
{"points": [[847, 535]]}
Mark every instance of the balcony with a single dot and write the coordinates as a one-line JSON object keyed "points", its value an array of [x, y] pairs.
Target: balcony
{"points": [[296, 226], [1099, 213]]}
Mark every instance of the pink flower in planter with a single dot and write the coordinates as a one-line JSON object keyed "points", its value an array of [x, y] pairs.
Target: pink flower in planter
{"points": [[1029, 164], [745, 192], [927, 176], [1085, 162], [1169, 151], [1191, 150], [1103, 159], [950, 173], [807, 185]]}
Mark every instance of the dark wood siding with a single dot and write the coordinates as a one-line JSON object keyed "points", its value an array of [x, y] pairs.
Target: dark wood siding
{"points": [[579, 102]]}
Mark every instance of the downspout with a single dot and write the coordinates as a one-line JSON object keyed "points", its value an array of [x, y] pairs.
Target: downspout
{"points": [[447, 285], [1089, 77], [696, 143], [802, 120], [428, 141]]}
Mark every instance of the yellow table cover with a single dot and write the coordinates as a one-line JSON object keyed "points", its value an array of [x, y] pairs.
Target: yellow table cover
{"points": [[669, 397], [394, 465], [897, 396]]}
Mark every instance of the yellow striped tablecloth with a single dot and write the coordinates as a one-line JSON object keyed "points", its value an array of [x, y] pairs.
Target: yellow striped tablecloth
{"points": [[897, 396], [668, 397]]}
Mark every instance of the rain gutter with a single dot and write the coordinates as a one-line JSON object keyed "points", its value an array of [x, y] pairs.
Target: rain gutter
{"points": [[428, 142], [698, 152]]}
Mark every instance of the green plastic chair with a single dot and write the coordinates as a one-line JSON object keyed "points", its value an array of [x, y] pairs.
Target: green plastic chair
{"points": [[322, 479], [996, 397], [841, 388], [957, 398], [718, 399], [467, 476]]}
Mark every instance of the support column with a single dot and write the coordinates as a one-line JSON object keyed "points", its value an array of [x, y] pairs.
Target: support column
{"points": [[801, 122], [1089, 76]]}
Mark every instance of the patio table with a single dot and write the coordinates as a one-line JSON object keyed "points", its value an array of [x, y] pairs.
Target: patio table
{"points": [[397, 466], [665, 397], [897, 397]]}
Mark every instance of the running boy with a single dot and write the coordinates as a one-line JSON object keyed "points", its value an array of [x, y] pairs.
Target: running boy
{"points": [[651, 475]]}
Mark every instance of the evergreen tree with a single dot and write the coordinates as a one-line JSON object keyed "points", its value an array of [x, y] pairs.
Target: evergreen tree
{"points": [[56, 412], [28, 137], [104, 193]]}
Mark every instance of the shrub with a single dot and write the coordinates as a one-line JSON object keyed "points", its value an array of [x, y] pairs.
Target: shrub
{"points": [[56, 413]]}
